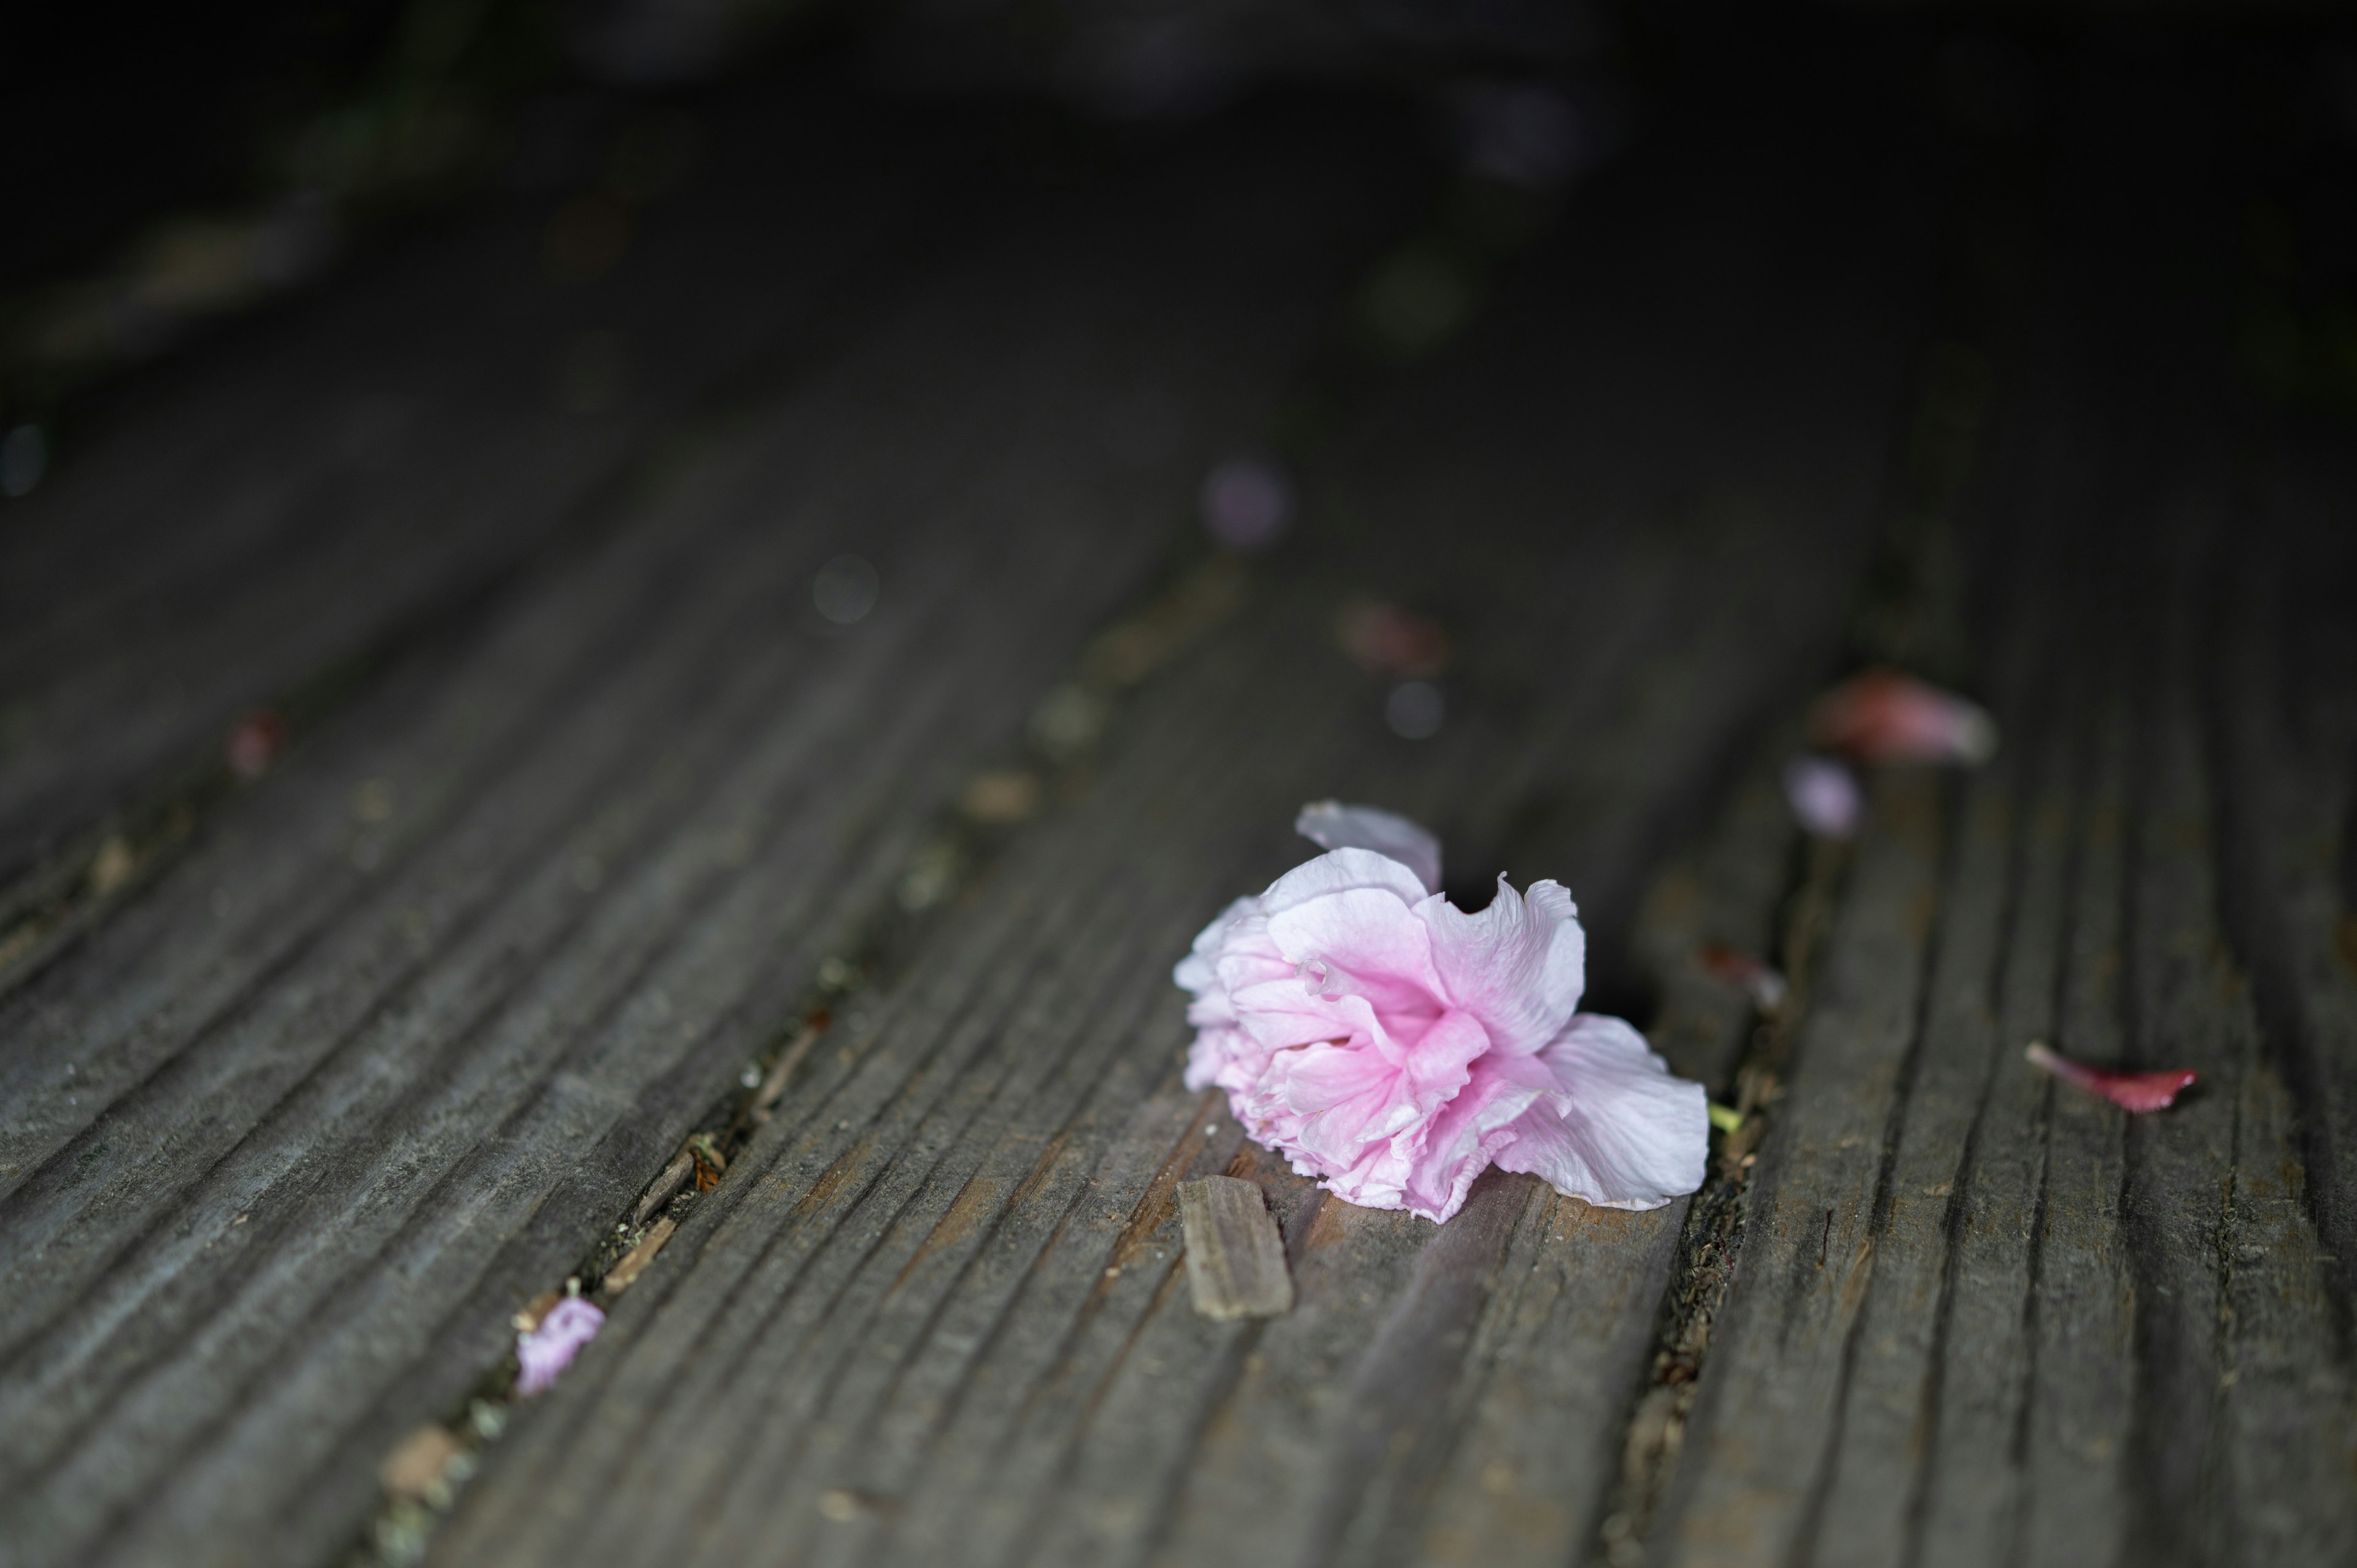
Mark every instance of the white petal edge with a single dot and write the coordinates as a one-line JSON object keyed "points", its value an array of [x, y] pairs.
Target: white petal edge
{"points": [[1618, 1131], [1329, 824]]}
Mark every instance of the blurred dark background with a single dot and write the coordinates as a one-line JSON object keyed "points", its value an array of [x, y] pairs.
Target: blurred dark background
{"points": [[169, 167]]}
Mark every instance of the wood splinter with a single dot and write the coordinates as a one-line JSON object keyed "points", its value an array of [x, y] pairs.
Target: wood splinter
{"points": [[1235, 1259]]}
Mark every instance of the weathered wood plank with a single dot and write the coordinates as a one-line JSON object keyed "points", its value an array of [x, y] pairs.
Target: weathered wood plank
{"points": [[623, 828], [370, 457], [942, 1318]]}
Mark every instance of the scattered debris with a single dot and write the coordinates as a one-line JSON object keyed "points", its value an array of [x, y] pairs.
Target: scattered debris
{"points": [[1006, 795], [710, 1164], [1824, 796], [1235, 1259], [255, 743], [2128, 1091], [1726, 1117], [417, 1470], [1384, 639], [535, 1309], [665, 1186], [112, 867], [634, 1263], [1884, 717], [544, 1353], [764, 1100], [1754, 976]]}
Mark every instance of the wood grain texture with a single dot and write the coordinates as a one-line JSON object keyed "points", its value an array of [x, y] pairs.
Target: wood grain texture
{"points": [[943, 1319], [344, 1088], [1235, 1259]]}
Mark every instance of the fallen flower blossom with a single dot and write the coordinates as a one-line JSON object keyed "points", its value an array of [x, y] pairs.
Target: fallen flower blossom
{"points": [[547, 1350], [1824, 796], [1755, 977], [1394, 1048], [2128, 1091], [1884, 717]]}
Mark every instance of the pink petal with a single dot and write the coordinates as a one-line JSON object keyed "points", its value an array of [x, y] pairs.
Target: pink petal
{"points": [[1519, 965], [1824, 796], [1617, 1130], [1331, 825], [1884, 716], [1470, 1130], [1754, 976], [550, 1348], [2128, 1091], [1386, 639], [1364, 942]]}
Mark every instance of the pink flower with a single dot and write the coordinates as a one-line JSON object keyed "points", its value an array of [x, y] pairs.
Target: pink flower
{"points": [[1824, 796], [1395, 1047], [550, 1348]]}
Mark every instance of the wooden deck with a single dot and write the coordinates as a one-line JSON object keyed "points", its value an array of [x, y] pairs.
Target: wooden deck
{"points": [[588, 825]]}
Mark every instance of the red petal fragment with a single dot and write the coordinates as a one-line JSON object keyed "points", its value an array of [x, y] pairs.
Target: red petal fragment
{"points": [[1754, 976], [1386, 639], [255, 743], [2128, 1091], [1884, 716]]}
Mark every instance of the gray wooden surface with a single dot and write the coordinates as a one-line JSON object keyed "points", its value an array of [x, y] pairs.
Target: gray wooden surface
{"points": [[591, 811]]}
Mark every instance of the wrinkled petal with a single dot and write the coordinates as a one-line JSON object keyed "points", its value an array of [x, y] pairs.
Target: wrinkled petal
{"points": [[2128, 1091], [1884, 717], [1329, 824], [1199, 972], [1328, 1102], [550, 1348], [1362, 943], [1469, 1132], [1617, 1130], [1225, 1057], [1519, 965]]}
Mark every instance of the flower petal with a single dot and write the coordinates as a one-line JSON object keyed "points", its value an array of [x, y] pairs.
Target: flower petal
{"points": [[2128, 1091], [1519, 965], [1340, 872], [1362, 943], [1884, 717], [1469, 1132], [1329, 824], [1617, 1130]]}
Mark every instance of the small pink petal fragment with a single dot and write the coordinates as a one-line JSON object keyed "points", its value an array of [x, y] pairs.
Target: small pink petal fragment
{"points": [[1884, 716], [547, 1351], [1386, 639], [2128, 1091], [1755, 977], [1824, 796], [1247, 505], [255, 743]]}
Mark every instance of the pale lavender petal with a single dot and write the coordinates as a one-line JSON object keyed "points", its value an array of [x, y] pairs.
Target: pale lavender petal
{"points": [[1342, 871], [1198, 971], [1519, 965], [549, 1348], [1330, 825], [1617, 1130], [1824, 796], [1439, 1061]]}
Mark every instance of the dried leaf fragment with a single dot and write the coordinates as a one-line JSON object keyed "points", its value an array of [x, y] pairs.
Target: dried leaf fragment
{"points": [[1747, 972], [2128, 1091], [1235, 1259]]}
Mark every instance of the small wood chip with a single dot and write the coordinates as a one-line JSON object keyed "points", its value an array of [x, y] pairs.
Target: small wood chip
{"points": [[634, 1262], [1235, 1259], [413, 1471], [665, 1186]]}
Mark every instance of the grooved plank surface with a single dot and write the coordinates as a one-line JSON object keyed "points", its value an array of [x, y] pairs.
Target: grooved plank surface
{"points": [[287, 1142], [943, 1318], [380, 1050]]}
